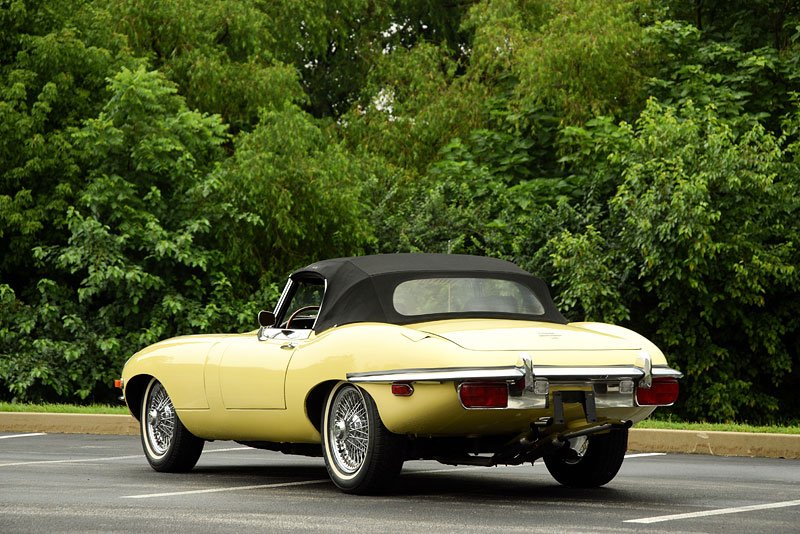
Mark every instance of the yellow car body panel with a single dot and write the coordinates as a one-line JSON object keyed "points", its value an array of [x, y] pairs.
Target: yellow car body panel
{"points": [[245, 388]]}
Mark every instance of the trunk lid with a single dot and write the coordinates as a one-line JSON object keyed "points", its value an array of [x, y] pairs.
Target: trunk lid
{"points": [[504, 335]]}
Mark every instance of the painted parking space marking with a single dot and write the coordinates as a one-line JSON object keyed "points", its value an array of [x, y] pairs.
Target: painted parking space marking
{"points": [[229, 488], [644, 454], [30, 435], [719, 511], [229, 449], [110, 458], [71, 460]]}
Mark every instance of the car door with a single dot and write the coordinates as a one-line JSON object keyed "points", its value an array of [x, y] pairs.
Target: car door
{"points": [[252, 369], [252, 373]]}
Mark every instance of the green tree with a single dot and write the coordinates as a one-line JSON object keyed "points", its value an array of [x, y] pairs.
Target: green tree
{"points": [[297, 196], [745, 85], [335, 44], [413, 103], [702, 233], [220, 53], [577, 57], [164, 164], [137, 265], [50, 79]]}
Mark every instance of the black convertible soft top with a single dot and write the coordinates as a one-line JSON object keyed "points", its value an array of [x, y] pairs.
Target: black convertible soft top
{"points": [[360, 289]]}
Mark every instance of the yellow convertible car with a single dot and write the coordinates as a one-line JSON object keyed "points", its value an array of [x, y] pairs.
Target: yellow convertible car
{"points": [[371, 361]]}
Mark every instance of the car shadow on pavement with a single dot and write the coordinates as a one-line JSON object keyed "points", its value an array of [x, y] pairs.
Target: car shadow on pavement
{"points": [[483, 488], [463, 486]]}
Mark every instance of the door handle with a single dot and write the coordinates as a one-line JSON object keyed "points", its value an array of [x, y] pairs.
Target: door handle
{"points": [[288, 345]]}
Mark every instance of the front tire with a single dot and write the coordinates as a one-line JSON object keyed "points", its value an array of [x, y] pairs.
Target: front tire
{"points": [[361, 455], [167, 445], [596, 465]]}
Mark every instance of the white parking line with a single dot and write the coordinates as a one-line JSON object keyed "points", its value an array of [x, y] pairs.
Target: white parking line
{"points": [[320, 481], [208, 451], [230, 488], [109, 458], [644, 454], [71, 461], [720, 511], [23, 435]]}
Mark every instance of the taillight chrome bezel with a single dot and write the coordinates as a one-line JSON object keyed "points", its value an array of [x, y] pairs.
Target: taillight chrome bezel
{"points": [[663, 391], [474, 387]]}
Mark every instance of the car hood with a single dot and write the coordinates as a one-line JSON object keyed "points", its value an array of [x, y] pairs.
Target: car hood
{"points": [[491, 335], [206, 340]]}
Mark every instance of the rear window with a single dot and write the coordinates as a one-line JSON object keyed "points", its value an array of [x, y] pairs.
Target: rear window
{"points": [[428, 296]]}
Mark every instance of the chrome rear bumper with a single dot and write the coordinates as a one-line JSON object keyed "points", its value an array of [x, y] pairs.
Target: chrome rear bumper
{"points": [[533, 387]]}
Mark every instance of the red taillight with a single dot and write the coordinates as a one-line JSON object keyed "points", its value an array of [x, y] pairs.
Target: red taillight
{"points": [[401, 389], [484, 394], [663, 392]]}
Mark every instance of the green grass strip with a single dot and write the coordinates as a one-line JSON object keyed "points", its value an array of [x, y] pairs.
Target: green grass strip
{"points": [[64, 408], [717, 427]]}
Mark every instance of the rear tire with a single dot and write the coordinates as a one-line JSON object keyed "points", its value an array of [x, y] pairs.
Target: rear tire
{"points": [[361, 455], [167, 445], [597, 466]]}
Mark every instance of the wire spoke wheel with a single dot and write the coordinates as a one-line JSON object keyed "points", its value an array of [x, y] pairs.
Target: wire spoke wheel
{"points": [[349, 432], [168, 445], [361, 455], [160, 420]]}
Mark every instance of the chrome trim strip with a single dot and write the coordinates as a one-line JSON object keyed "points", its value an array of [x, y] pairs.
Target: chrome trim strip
{"points": [[507, 373], [263, 332], [281, 333], [284, 295], [532, 402], [438, 375], [587, 372], [666, 371]]}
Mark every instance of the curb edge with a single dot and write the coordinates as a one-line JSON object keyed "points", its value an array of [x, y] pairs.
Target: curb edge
{"points": [[640, 439]]}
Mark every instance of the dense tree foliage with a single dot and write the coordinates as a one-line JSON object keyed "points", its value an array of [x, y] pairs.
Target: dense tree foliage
{"points": [[164, 164]]}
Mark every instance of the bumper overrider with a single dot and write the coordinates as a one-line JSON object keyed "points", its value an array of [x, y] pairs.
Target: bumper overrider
{"points": [[544, 387]]}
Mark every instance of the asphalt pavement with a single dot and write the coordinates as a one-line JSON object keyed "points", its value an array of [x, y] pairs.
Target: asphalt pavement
{"points": [[641, 439], [81, 483]]}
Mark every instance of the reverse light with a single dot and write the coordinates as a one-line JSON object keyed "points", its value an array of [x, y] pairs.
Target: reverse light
{"points": [[483, 394], [663, 392], [402, 389], [541, 387], [626, 386]]}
